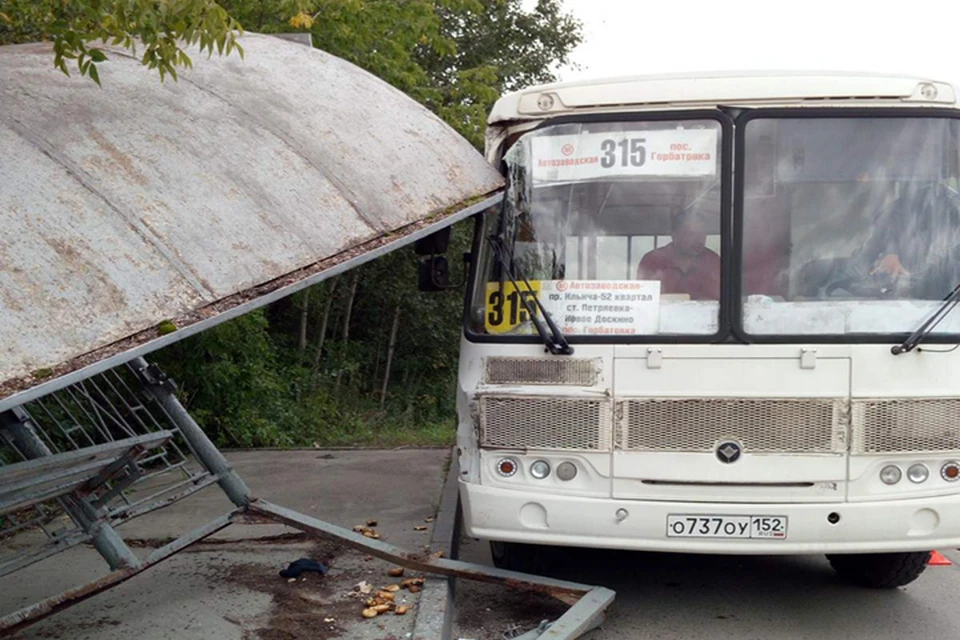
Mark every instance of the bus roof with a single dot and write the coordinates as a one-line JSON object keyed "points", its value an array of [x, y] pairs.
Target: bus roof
{"points": [[709, 89]]}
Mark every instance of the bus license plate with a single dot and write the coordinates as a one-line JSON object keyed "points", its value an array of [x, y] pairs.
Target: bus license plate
{"points": [[693, 526]]}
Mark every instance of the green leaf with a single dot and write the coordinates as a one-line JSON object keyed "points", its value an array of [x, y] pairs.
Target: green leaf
{"points": [[97, 55], [94, 74]]}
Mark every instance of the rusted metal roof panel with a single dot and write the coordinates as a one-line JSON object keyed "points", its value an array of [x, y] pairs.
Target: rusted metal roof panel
{"points": [[124, 206]]}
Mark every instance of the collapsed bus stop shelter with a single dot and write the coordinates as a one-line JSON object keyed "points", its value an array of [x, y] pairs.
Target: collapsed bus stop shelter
{"points": [[140, 213]]}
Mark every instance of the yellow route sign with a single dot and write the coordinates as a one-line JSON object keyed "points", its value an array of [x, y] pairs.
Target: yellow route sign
{"points": [[505, 308]]}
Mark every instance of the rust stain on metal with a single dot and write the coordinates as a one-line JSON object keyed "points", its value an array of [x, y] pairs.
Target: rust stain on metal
{"points": [[119, 158], [141, 202], [28, 615], [21, 383]]}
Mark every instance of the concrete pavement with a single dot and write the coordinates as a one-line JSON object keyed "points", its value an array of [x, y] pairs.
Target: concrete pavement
{"points": [[228, 587]]}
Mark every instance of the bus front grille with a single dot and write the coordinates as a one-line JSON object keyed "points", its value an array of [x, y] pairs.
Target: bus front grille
{"points": [[543, 422], [905, 426], [568, 371], [760, 425]]}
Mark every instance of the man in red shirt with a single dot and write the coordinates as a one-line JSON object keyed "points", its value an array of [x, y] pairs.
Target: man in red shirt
{"points": [[685, 265]]}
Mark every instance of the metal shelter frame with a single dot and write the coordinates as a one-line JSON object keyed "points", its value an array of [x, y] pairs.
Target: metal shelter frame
{"points": [[83, 447]]}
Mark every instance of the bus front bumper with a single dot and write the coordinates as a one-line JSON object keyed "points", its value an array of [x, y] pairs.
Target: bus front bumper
{"points": [[918, 524]]}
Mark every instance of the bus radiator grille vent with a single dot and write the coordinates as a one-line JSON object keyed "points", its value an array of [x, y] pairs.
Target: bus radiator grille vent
{"points": [[761, 425], [522, 422], [581, 372], [905, 426]]}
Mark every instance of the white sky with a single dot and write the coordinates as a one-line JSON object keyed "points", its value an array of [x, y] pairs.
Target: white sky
{"points": [[625, 37]]}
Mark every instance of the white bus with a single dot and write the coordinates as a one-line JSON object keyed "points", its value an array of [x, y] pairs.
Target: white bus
{"points": [[713, 316]]}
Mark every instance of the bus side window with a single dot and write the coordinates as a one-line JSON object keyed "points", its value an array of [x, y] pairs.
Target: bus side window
{"points": [[612, 259], [639, 247]]}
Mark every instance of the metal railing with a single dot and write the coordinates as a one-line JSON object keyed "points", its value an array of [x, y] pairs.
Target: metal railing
{"points": [[73, 458]]}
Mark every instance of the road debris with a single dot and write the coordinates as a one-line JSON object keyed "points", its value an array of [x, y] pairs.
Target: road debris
{"points": [[297, 567], [401, 610], [366, 530], [363, 587], [420, 527], [395, 572]]}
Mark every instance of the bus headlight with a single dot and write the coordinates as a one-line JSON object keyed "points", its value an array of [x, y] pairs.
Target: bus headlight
{"points": [[540, 469], [918, 473], [890, 474]]}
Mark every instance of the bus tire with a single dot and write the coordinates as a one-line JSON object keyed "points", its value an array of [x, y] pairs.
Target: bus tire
{"points": [[880, 570], [516, 556]]}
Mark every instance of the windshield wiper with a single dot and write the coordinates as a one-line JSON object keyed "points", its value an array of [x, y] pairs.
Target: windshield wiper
{"points": [[554, 339], [930, 324]]}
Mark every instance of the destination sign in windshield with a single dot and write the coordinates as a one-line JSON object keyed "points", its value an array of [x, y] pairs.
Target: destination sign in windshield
{"points": [[585, 307], [665, 152]]}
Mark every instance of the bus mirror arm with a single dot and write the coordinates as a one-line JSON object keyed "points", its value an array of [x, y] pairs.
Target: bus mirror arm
{"points": [[433, 273]]}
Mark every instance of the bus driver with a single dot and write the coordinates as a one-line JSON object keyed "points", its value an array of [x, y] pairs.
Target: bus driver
{"points": [[685, 265]]}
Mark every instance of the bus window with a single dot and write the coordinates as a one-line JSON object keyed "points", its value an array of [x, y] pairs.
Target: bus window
{"points": [[612, 262]]}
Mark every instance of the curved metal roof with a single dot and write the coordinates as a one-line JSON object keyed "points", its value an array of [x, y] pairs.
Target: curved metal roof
{"points": [[143, 201]]}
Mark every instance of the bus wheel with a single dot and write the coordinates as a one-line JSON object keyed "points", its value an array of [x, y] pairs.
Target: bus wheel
{"points": [[880, 570], [515, 556]]}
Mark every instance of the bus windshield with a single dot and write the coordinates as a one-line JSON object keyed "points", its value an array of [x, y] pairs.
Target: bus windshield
{"points": [[850, 225], [843, 225], [616, 225]]}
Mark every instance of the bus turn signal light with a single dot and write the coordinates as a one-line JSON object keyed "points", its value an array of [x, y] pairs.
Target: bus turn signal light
{"points": [[950, 471], [506, 467]]}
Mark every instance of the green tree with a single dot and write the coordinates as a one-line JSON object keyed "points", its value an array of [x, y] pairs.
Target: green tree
{"points": [[497, 47], [456, 57], [158, 31], [233, 382]]}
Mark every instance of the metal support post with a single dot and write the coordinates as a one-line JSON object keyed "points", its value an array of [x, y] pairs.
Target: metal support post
{"points": [[16, 424], [163, 390]]}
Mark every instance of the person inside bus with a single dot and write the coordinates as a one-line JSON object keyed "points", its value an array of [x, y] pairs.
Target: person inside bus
{"points": [[917, 239], [686, 265], [912, 249]]}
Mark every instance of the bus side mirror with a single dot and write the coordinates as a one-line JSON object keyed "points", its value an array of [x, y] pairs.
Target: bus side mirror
{"points": [[433, 244], [433, 274]]}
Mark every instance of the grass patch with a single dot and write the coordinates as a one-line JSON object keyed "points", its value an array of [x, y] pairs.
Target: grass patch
{"points": [[387, 435]]}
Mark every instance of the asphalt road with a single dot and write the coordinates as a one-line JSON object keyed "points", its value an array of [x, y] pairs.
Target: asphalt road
{"points": [[672, 596]]}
